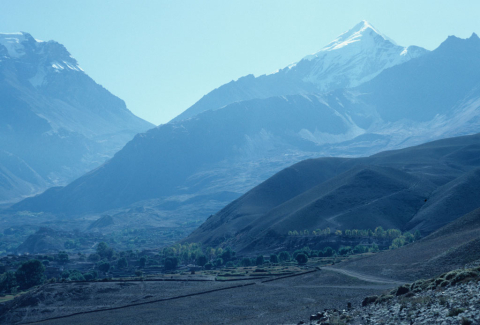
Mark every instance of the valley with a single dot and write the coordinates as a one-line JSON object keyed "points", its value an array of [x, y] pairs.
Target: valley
{"points": [[340, 189]]}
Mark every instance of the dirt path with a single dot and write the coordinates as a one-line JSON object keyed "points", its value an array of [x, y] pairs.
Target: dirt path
{"points": [[364, 277]]}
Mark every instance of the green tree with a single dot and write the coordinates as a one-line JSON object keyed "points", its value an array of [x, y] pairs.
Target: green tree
{"points": [[328, 251], [302, 258], [202, 260], [142, 261], [379, 232], [374, 248], [246, 262], [273, 258], [8, 282], [284, 256], [218, 262], [103, 266], [76, 275], [104, 251], [62, 257], [122, 263], [91, 275], [260, 260], [409, 238], [30, 273], [208, 266], [171, 263], [417, 235], [94, 257], [344, 250], [228, 254]]}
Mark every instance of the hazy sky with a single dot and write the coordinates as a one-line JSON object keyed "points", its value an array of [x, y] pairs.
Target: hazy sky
{"points": [[162, 56]]}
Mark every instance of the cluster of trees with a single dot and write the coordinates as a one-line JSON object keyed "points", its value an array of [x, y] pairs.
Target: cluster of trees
{"points": [[379, 232], [194, 254], [29, 274]]}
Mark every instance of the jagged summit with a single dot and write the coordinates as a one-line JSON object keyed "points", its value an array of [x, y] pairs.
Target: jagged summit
{"points": [[358, 33], [46, 56], [354, 57]]}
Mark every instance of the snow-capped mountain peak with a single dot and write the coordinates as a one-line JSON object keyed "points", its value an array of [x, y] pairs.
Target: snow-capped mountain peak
{"points": [[354, 57], [14, 43], [360, 31], [36, 58]]}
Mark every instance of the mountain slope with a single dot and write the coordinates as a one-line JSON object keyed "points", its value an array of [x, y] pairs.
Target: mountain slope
{"points": [[356, 56], [53, 117], [412, 188], [448, 248]]}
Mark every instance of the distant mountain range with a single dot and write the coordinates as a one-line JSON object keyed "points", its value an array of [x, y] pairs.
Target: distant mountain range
{"points": [[398, 97], [56, 123]]}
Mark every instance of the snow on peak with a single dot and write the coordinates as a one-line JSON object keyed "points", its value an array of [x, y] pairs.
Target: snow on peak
{"points": [[14, 43], [354, 57], [363, 31]]}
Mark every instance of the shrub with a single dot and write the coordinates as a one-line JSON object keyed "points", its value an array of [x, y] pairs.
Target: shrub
{"points": [[30, 273], [230, 264], [138, 273], [218, 262], [301, 258]]}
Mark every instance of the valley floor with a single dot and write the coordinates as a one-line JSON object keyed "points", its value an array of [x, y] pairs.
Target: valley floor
{"points": [[272, 301]]}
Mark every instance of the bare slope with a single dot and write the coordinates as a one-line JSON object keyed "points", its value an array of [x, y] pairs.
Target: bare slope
{"points": [[448, 248], [406, 189]]}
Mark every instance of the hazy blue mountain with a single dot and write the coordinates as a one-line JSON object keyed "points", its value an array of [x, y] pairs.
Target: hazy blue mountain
{"points": [[356, 56], [220, 154], [56, 123]]}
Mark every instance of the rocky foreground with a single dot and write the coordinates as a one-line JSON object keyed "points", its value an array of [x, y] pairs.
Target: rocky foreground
{"points": [[452, 298]]}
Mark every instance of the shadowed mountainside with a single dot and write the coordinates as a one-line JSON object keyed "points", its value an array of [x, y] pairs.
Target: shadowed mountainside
{"points": [[56, 123], [423, 187]]}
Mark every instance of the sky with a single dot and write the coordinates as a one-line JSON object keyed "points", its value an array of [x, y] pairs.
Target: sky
{"points": [[162, 56]]}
